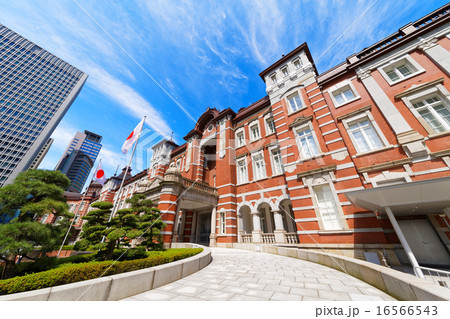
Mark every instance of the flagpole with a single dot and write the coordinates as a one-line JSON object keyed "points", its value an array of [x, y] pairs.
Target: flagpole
{"points": [[78, 208], [119, 193]]}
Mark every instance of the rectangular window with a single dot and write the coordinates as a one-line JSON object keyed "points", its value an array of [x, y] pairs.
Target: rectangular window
{"points": [[273, 78], [259, 169], [270, 126], [295, 102], [297, 63], [344, 95], [364, 135], [285, 71], [277, 162], [400, 69], [242, 175], [222, 223], [254, 132], [435, 112], [240, 139], [327, 207], [307, 143]]}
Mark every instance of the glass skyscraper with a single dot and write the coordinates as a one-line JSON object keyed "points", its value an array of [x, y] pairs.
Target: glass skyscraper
{"points": [[78, 159], [36, 90]]}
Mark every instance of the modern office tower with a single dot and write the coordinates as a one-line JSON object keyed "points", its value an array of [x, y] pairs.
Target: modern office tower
{"points": [[36, 90], [79, 157], [44, 150]]}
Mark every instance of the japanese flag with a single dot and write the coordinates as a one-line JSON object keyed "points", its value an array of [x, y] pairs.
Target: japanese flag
{"points": [[132, 138], [100, 174]]}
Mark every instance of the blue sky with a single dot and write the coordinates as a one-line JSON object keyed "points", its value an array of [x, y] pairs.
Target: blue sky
{"points": [[201, 53]]}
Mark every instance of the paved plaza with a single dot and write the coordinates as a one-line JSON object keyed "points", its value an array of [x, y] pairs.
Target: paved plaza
{"points": [[243, 275]]}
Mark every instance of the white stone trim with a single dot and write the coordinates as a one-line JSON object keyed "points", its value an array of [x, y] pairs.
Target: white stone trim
{"points": [[312, 89], [230, 184], [405, 58], [340, 86], [345, 178], [326, 123], [302, 208], [339, 191], [315, 102], [323, 115], [320, 108], [344, 166], [334, 141], [301, 220], [330, 131]]}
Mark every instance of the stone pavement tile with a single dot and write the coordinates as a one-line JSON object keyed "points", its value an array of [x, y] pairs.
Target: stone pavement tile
{"points": [[253, 285], [259, 293], [213, 286], [282, 277], [277, 288], [285, 297], [333, 295], [264, 276], [155, 295], [306, 279], [232, 283], [310, 285], [215, 280], [191, 283], [170, 286], [292, 284], [304, 292], [215, 295], [344, 288], [369, 290], [185, 298], [235, 290], [189, 290], [247, 279], [330, 281], [269, 281], [309, 298], [360, 297], [130, 299], [388, 298], [246, 298]]}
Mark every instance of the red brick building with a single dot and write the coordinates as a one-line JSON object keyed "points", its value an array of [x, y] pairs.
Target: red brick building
{"points": [[353, 160]]}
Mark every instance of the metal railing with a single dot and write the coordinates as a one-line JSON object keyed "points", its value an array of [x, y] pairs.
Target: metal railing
{"points": [[440, 277], [268, 238], [291, 238]]}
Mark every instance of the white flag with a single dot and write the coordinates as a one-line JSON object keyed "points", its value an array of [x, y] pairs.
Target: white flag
{"points": [[132, 138]]}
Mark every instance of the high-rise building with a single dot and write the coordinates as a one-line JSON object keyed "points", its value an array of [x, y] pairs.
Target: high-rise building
{"points": [[36, 90], [44, 150], [79, 157]]}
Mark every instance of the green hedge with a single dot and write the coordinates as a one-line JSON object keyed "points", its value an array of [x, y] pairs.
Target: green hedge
{"points": [[91, 270]]}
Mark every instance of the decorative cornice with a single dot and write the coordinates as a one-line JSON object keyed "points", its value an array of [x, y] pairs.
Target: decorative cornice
{"points": [[386, 165], [363, 74], [300, 120], [419, 87], [352, 113], [324, 169], [425, 44]]}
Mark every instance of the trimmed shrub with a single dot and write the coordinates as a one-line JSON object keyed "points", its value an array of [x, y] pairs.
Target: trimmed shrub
{"points": [[85, 271]]}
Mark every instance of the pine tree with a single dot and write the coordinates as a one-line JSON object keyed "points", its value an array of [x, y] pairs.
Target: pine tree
{"points": [[32, 194]]}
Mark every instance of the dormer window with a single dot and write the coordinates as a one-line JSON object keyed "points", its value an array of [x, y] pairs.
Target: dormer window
{"points": [[273, 78], [285, 71], [297, 63]]}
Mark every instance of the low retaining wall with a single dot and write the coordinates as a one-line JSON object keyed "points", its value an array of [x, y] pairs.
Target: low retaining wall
{"points": [[395, 283], [123, 285]]}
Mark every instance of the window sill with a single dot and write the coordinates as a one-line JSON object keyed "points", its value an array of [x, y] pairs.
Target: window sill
{"points": [[436, 135], [241, 184], [345, 103], [374, 151], [261, 179], [404, 79], [335, 232], [277, 175], [255, 140], [267, 135], [295, 112]]}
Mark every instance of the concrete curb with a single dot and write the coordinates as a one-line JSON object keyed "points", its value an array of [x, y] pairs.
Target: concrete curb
{"points": [[123, 285], [395, 283]]}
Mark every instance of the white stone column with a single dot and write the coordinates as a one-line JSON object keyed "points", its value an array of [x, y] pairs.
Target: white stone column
{"points": [[279, 231], [213, 235], [436, 53], [404, 243], [256, 233], [176, 235], [240, 226], [194, 226]]}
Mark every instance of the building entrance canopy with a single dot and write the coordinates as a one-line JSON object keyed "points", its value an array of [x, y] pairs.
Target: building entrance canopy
{"points": [[416, 198]]}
